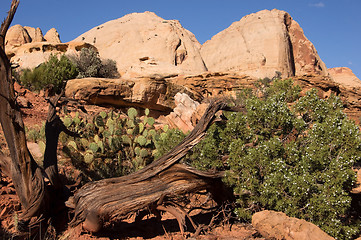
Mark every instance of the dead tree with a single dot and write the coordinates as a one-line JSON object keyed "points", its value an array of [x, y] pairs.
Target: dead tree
{"points": [[25, 173], [27, 176], [116, 198]]}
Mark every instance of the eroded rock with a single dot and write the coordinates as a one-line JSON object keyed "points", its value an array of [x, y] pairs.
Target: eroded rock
{"points": [[144, 44], [32, 54], [52, 36], [263, 44], [155, 94]]}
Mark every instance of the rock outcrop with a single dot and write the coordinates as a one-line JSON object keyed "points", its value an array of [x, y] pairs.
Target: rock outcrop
{"points": [[154, 94], [32, 54], [35, 34], [305, 57], [182, 114], [145, 44], [277, 225], [158, 93], [345, 77], [28, 47], [261, 44], [52, 36], [16, 36]]}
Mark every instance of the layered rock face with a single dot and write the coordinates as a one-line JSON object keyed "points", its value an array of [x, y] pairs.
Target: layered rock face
{"points": [[155, 94], [261, 44], [30, 55], [345, 77], [145, 44]]}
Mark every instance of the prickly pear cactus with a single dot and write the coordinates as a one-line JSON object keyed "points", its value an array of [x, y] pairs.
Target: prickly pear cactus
{"points": [[112, 144]]}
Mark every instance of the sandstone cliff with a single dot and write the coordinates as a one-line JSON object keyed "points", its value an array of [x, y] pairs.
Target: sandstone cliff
{"points": [[261, 44], [145, 44]]}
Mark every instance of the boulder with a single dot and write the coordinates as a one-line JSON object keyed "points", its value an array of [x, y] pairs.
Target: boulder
{"points": [[263, 44], [16, 36], [345, 77], [35, 34], [145, 44], [277, 225], [52, 36]]}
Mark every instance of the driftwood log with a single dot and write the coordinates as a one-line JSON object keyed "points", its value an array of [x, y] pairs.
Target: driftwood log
{"points": [[117, 198]]}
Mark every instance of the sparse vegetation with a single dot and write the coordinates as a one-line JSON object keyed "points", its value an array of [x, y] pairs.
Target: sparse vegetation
{"points": [[54, 72], [57, 70], [89, 64]]}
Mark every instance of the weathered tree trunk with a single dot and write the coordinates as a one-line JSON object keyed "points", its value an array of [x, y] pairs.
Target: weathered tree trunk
{"points": [[25, 173], [117, 198], [27, 176]]}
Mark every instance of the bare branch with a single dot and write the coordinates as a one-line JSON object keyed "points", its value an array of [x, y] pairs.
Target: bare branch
{"points": [[6, 23]]}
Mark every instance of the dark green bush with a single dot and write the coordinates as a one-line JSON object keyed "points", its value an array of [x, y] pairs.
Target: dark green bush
{"points": [[53, 72], [89, 64], [288, 154]]}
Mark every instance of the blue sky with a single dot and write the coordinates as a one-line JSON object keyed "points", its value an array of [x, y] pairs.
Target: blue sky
{"points": [[333, 26]]}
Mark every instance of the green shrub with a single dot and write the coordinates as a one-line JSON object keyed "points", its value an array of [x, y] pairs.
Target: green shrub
{"points": [[288, 154], [166, 141], [53, 72], [89, 64]]}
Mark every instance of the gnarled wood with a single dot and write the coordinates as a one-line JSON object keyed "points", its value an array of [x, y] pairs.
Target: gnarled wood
{"points": [[25, 173], [117, 198]]}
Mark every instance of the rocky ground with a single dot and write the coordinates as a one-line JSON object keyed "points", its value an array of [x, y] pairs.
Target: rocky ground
{"points": [[34, 108]]}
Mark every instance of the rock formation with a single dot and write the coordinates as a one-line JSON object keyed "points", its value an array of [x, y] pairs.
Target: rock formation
{"points": [[181, 117], [16, 36], [32, 54], [155, 94], [28, 47], [52, 36], [305, 57], [35, 34], [276, 225], [345, 77], [261, 44], [145, 44]]}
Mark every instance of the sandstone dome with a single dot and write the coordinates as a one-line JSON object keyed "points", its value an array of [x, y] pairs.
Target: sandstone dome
{"points": [[261, 44], [145, 44]]}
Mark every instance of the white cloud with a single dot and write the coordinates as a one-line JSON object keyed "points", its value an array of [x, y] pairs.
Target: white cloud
{"points": [[317, 5], [349, 63]]}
